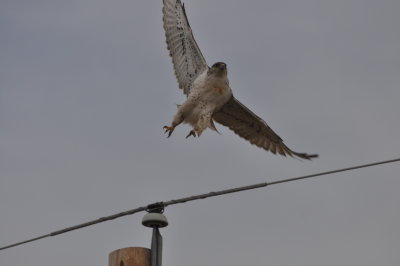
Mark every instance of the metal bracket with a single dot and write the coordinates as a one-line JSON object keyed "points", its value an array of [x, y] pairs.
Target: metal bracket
{"points": [[155, 219]]}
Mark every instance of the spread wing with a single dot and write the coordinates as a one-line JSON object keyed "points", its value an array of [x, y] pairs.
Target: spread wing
{"points": [[249, 126], [186, 56]]}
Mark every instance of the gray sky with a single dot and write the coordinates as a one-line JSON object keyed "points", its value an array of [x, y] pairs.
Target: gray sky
{"points": [[86, 86]]}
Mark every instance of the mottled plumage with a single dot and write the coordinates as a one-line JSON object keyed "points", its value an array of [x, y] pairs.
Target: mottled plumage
{"points": [[209, 96]]}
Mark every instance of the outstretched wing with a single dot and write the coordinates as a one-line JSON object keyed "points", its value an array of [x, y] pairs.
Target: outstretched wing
{"points": [[249, 126], [186, 55]]}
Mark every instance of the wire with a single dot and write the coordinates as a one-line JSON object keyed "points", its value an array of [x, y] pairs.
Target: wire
{"points": [[196, 197], [260, 185]]}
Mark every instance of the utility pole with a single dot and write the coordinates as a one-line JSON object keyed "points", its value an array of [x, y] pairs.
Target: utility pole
{"points": [[139, 256]]}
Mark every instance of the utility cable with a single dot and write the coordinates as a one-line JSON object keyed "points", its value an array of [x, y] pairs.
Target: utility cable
{"points": [[196, 197]]}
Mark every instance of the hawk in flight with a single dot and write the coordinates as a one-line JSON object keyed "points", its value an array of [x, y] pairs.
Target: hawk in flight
{"points": [[209, 97]]}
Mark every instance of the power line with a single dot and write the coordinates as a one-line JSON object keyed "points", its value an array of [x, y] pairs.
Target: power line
{"points": [[195, 197]]}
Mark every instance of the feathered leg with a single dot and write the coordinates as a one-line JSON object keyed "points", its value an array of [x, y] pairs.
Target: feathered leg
{"points": [[203, 123], [178, 118]]}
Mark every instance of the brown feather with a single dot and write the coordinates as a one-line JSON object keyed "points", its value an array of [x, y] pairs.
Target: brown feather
{"points": [[249, 126]]}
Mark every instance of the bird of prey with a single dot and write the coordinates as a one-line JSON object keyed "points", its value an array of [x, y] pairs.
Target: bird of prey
{"points": [[209, 96]]}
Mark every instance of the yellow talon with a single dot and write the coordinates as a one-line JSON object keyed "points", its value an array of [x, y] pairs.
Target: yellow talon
{"points": [[191, 133], [169, 130]]}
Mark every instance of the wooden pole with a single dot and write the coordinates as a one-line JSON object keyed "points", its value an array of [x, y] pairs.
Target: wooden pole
{"points": [[132, 256]]}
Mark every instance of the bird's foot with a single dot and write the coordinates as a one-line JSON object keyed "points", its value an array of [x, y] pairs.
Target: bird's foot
{"points": [[191, 133], [169, 130]]}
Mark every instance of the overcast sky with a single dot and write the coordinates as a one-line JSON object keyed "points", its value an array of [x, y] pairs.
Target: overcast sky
{"points": [[87, 85]]}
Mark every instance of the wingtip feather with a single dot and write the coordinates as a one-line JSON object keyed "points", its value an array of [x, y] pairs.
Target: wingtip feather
{"points": [[306, 156]]}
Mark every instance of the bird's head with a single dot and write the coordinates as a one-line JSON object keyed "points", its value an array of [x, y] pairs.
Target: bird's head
{"points": [[218, 69]]}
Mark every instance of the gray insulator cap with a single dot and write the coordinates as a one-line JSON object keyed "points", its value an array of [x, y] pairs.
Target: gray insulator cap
{"points": [[155, 220]]}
